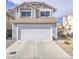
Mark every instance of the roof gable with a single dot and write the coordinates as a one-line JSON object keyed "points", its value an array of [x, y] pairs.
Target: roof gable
{"points": [[42, 4], [35, 5]]}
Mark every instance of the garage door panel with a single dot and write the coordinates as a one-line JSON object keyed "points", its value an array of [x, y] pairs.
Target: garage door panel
{"points": [[35, 34]]}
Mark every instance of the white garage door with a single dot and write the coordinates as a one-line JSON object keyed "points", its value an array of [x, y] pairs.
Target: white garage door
{"points": [[35, 34]]}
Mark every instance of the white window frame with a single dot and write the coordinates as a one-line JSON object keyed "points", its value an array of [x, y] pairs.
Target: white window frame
{"points": [[25, 11]]}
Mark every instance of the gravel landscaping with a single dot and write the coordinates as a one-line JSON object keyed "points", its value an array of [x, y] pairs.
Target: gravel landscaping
{"points": [[9, 42], [67, 47]]}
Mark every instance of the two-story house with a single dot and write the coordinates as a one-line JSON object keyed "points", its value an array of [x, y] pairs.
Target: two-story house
{"points": [[34, 21]]}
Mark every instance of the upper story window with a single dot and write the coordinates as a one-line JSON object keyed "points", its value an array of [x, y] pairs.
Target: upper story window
{"points": [[26, 13], [45, 13]]}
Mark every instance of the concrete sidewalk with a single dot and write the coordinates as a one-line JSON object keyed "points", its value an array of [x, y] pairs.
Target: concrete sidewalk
{"points": [[36, 49]]}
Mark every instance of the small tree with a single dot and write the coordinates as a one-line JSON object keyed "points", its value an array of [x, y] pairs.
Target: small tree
{"points": [[67, 39]]}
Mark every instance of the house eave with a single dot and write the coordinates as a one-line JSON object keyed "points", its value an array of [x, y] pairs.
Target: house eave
{"points": [[34, 21]]}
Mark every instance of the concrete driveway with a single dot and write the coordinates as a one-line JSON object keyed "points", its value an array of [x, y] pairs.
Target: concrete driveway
{"points": [[37, 49]]}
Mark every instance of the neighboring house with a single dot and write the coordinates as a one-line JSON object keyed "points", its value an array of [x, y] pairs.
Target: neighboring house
{"points": [[59, 29], [8, 21], [9, 18], [34, 21], [59, 26], [68, 23]]}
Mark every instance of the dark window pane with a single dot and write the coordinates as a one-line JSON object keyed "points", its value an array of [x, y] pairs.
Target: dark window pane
{"points": [[45, 13], [26, 14], [23, 14]]}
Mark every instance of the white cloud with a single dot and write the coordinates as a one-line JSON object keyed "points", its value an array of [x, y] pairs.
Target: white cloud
{"points": [[21, 1], [16, 1]]}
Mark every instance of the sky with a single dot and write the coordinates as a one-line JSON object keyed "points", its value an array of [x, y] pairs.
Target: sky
{"points": [[9, 5], [64, 7]]}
